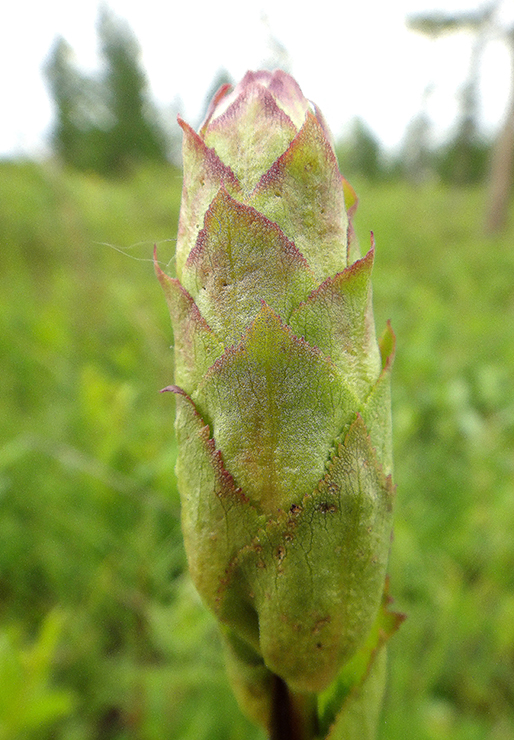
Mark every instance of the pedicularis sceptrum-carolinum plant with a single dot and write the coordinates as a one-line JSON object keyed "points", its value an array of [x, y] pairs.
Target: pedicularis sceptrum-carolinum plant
{"points": [[283, 413]]}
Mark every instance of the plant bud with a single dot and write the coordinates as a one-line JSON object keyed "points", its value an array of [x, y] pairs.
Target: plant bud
{"points": [[283, 401]]}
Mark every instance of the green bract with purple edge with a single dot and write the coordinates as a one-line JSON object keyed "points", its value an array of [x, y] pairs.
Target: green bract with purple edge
{"points": [[283, 393]]}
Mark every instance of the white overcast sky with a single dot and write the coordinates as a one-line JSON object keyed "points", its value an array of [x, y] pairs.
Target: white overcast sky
{"points": [[353, 58]]}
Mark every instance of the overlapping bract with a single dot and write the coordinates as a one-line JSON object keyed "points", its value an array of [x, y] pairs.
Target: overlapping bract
{"points": [[283, 409]]}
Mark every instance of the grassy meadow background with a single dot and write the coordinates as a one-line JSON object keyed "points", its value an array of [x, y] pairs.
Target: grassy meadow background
{"points": [[101, 634]]}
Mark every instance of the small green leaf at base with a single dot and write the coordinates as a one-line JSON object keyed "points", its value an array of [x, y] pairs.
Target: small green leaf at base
{"points": [[350, 708]]}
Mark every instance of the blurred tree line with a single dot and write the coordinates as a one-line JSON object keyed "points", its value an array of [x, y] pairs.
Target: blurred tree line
{"points": [[105, 123], [484, 23], [466, 157], [461, 160]]}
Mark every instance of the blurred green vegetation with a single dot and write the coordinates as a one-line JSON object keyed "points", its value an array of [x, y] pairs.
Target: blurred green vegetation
{"points": [[101, 634]]}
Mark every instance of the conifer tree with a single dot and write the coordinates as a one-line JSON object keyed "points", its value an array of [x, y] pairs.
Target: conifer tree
{"points": [[75, 134], [134, 134], [104, 123]]}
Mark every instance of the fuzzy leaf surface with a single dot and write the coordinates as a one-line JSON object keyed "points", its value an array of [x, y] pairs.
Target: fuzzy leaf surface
{"points": [[240, 259], [276, 405]]}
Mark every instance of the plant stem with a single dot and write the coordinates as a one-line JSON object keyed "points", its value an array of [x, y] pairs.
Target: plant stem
{"points": [[293, 716]]}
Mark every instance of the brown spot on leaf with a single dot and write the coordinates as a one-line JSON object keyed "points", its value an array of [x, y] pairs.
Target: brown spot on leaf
{"points": [[325, 508], [320, 624]]}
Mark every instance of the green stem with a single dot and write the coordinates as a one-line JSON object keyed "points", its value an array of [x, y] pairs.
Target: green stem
{"points": [[293, 716]]}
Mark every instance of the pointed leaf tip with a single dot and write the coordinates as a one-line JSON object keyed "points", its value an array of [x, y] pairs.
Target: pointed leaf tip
{"points": [[350, 196], [221, 93], [240, 258], [276, 404], [173, 389], [387, 345], [303, 194]]}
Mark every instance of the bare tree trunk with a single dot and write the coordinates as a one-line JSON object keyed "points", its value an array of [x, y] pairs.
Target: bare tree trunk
{"points": [[502, 165]]}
